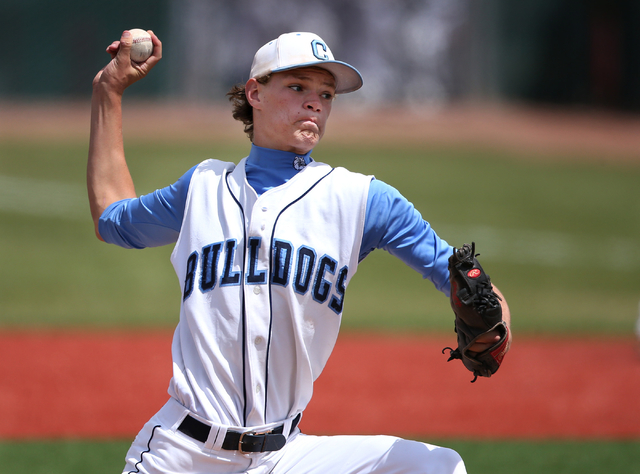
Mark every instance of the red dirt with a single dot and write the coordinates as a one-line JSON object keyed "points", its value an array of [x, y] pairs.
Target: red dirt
{"points": [[108, 384]]}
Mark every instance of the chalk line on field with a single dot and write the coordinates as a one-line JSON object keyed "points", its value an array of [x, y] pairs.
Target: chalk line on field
{"points": [[547, 248], [43, 198]]}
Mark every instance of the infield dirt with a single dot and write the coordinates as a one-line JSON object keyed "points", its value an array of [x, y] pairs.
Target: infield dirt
{"points": [[109, 384]]}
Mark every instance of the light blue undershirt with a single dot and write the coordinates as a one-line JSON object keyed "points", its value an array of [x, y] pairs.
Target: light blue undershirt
{"points": [[391, 222]]}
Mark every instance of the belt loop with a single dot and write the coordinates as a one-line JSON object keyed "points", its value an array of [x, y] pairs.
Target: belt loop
{"points": [[286, 428], [291, 425], [180, 413], [216, 438]]}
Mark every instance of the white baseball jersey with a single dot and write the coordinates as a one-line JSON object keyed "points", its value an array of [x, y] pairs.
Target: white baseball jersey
{"points": [[264, 279]]}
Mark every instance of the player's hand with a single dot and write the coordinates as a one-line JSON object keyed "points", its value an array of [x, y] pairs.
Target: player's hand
{"points": [[485, 341], [121, 72]]}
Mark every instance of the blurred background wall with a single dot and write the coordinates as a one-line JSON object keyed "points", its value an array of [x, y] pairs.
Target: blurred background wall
{"points": [[414, 52]]}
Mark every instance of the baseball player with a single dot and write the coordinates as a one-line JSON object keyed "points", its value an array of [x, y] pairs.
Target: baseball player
{"points": [[264, 252]]}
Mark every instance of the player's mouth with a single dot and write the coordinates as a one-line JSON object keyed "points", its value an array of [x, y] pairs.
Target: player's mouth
{"points": [[310, 123]]}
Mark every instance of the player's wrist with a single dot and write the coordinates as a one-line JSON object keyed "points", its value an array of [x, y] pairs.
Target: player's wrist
{"points": [[110, 81], [107, 93]]}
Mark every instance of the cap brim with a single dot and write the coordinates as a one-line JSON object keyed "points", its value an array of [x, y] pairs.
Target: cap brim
{"points": [[348, 78]]}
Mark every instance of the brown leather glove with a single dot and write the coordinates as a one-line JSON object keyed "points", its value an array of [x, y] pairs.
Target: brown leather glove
{"points": [[478, 311]]}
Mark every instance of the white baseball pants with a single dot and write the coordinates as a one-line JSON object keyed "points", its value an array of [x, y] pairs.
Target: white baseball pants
{"points": [[160, 449]]}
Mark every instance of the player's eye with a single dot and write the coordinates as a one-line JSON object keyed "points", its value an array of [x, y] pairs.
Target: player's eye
{"points": [[327, 96], [296, 87]]}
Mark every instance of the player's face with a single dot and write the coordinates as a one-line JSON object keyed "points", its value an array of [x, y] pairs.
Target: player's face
{"points": [[291, 110]]}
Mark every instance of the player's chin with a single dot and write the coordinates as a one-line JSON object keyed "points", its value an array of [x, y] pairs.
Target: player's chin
{"points": [[308, 139]]}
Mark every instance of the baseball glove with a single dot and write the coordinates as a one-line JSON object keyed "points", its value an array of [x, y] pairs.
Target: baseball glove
{"points": [[477, 311]]}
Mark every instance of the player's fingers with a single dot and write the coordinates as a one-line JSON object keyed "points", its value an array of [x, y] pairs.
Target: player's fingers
{"points": [[156, 54], [478, 347], [112, 49], [157, 44], [489, 338], [485, 341]]}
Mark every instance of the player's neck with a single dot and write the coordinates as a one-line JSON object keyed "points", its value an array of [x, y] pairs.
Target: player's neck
{"points": [[270, 157]]}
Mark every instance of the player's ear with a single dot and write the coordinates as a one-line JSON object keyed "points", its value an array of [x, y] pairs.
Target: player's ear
{"points": [[252, 90]]}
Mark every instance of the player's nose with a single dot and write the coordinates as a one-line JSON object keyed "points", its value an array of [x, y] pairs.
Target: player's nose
{"points": [[313, 103], [314, 108]]}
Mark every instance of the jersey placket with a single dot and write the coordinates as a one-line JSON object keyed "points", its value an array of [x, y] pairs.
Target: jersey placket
{"points": [[257, 309]]}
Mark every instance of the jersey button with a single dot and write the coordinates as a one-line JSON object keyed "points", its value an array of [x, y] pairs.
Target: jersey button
{"points": [[264, 209], [258, 341], [256, 290]]}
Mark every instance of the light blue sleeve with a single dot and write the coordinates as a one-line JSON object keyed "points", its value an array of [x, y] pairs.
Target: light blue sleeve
{"points": [[150, 220], [393, 224]]}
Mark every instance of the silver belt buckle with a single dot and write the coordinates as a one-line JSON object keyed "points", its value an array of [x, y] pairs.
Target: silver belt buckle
{"points": [[253, 433]]}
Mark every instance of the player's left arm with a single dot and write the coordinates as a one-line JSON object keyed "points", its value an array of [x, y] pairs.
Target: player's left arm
{"points": [[393, 224]]}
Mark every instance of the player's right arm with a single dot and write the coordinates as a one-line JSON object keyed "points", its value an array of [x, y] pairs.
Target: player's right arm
{"points": [[150, 220], [108, 177]]}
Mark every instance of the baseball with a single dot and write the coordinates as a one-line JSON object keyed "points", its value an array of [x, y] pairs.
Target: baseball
{"points": [[142, 45]]}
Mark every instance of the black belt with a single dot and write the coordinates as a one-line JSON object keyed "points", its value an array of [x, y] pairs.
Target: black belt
{"points": [[246, 442]]}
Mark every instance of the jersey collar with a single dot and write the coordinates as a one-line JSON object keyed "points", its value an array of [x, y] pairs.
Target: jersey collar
{"points": [[277, 160]]}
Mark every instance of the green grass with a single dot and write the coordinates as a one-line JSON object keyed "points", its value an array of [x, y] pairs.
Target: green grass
{"points": [[63, 456], [549, 457], [498, 457], [558, 237]]}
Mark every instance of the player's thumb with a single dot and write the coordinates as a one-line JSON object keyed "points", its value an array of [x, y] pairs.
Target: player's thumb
{"points": [[126, 40]]}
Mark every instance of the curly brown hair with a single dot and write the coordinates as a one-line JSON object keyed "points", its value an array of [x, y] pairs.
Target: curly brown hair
{"points": [[242, 109]]}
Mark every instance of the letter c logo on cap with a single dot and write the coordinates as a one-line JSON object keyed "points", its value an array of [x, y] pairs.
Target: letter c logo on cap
{"points": [[315, 47]]}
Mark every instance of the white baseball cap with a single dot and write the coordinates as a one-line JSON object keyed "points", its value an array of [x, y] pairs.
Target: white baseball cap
{"points": [[296, 50]]}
